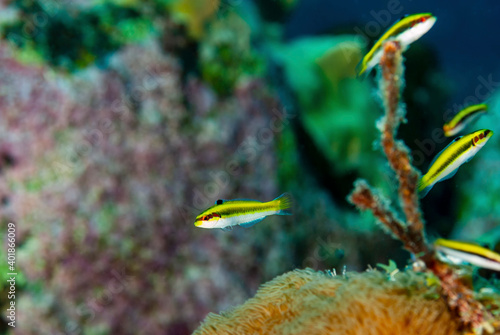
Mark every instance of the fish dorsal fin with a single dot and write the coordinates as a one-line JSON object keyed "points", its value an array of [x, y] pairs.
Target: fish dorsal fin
{"points": [[402, 17], [484, 245], [439, 153], [233, 200], [251, 223], [222, 201]]}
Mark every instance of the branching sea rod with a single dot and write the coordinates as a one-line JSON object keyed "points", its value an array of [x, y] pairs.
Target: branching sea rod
{"points": [[459, 295]]}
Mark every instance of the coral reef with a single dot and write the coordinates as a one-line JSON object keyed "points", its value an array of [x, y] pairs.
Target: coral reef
{"points": [[194, 13], [305, 301], [310, 302], [70, 36], [121, 120], [106, 180], [226, 55], [105, 168]]}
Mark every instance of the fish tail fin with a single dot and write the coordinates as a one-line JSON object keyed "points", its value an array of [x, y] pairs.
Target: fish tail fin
{"points": [[433, 237], [361, 70], [423, 188], [284, 204]]}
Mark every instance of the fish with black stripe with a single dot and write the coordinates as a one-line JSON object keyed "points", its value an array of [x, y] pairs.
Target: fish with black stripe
{"points": [[463, 118], [446, 163], [243, 212], [406, 31]]}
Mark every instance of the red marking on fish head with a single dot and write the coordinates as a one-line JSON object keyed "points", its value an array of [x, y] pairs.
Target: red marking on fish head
{"points": [[422, 19]]}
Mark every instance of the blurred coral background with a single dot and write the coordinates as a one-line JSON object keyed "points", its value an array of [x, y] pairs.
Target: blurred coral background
{"points": [[122, 120]]}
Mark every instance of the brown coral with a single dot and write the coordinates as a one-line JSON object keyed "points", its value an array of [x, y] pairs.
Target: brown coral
{"points": [[310, 302]]}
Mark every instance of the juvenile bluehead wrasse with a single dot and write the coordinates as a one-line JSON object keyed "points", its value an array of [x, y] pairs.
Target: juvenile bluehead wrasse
{"points": [[406, 31], [463, 252], [446, 163], [463, 118], [227, 213]]}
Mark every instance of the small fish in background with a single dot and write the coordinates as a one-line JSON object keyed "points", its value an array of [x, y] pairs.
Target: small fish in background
{"points": [[228, 213], [406, 31], [446, 163], [463, 118], [457, 252]]}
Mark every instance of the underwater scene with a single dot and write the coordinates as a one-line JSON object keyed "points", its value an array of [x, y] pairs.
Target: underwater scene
{"points": [[245, 167]]}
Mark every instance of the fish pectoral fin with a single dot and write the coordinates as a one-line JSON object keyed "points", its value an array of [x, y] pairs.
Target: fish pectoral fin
{"points": [[228, 228], [251, 223]]}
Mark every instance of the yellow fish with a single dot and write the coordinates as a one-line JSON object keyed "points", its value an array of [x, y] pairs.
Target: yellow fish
{"points": [[406, 31], [462, 252], [446, 163], [463, 118], [227, 213]]}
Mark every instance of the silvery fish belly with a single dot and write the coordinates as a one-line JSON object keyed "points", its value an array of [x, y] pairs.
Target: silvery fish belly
{"points": [[463, 118], [459, 253]]}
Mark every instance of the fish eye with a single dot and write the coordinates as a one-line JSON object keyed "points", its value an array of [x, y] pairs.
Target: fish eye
{"points": [[214, 215]]}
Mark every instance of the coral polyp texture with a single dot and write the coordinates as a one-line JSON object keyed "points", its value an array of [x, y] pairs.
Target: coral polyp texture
{"points": [[311, 302]]}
